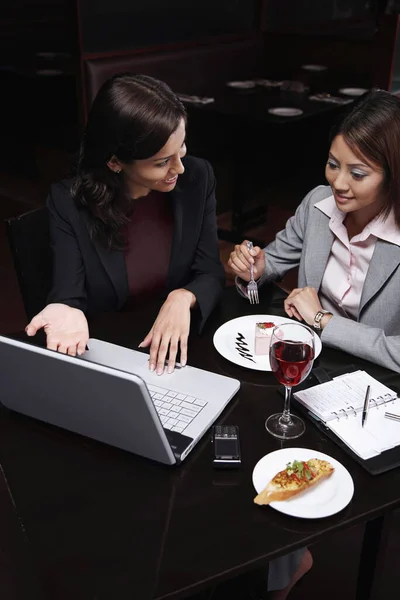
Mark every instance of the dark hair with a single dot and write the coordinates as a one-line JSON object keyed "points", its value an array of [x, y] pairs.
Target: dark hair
{"points": [[132, 118], [372, 131]]}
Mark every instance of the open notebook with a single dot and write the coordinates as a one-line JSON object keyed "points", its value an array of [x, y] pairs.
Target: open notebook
{"points": [[339, 404]]}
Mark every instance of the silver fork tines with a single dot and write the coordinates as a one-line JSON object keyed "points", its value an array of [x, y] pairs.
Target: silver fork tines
{"points": [[252, 288], [392, 416]]}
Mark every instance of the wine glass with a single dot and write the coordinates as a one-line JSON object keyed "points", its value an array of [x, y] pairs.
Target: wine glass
{"points": [[291, 356]]}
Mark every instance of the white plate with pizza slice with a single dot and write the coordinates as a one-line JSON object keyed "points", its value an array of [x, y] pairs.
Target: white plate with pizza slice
{"points": [[326, 498], [235, 341]]}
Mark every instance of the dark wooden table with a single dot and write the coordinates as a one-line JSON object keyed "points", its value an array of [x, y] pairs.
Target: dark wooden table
{"points": [[254, 103], [104, 524]]}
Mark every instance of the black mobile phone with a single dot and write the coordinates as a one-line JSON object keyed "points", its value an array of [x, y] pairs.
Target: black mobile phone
{"points": [[226, 446]]}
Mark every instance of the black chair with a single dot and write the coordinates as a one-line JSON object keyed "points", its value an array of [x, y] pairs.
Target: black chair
{"points": [[30, 245]]}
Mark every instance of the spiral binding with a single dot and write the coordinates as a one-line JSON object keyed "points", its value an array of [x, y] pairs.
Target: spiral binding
{"points": [[377, 402]]}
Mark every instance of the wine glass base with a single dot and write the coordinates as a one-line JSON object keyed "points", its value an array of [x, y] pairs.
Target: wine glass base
{"points": [[285, 431]]}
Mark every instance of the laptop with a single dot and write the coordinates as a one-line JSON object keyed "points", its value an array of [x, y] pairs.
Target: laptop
{"points": [[110, 395]]}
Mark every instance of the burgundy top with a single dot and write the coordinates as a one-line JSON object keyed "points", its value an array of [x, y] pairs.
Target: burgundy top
{"points": [[148, 245]]}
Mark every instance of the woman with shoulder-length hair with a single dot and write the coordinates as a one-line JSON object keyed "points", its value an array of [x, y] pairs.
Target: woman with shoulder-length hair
{"points": [[345, 238], [137, 220]]}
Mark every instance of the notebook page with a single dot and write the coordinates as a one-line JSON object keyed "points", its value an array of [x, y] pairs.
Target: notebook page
{"points": [[379, 394], [377, 435], [326, 399], [344, 395]]}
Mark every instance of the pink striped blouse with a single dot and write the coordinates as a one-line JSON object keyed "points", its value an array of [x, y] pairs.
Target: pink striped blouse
{"points": [[348, 262]]}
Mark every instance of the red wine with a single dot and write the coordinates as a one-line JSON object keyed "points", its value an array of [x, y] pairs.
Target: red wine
{"points": [[290, 361]]}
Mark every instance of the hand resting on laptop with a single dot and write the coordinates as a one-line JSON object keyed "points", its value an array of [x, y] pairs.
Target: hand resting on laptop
{"points": [[66, 328], [171, 327]]}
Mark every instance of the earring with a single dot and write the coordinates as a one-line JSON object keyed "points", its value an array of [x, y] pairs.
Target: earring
{"points": [[117, 171]]}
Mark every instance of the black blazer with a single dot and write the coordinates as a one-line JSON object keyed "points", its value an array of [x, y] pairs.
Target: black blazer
{"points": [[88, 276]]}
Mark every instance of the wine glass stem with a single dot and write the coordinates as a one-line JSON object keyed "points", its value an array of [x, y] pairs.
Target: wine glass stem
{"points": [[285, 418]]}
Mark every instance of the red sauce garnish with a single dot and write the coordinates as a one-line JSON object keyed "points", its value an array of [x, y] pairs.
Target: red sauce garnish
{"points": [[308, 469], [266, 325]]}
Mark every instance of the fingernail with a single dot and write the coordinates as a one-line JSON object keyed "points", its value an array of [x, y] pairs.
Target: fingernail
{"points": [[151, 367], [80, 352], [159, 371], [170, 370], [140, 345], [183, 363]]}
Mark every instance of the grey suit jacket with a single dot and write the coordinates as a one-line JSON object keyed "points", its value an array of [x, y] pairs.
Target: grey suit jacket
{"points": [[306, 242]]}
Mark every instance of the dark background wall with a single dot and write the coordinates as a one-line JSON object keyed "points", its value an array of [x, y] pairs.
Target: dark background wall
{"points": [[126, 24], [285, 14], [28, 26]]}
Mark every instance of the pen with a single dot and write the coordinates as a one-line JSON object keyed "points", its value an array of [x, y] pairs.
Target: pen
{"points": [[366, 406]]}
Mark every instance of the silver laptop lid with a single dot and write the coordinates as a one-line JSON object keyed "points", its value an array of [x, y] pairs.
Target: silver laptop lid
{"points": [[94, 400]]}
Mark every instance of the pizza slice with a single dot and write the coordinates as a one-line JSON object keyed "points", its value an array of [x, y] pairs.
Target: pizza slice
{"points": [[297, 477]]}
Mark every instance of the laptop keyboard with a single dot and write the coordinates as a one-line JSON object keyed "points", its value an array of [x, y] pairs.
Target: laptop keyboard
{"points": [[176, 411]]}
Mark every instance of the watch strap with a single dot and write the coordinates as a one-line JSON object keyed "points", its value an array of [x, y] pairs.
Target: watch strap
{"points": [[318, 318]]}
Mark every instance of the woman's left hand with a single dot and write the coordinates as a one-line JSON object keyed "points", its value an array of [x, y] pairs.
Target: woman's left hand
{"points": [[303, 303], [170, 328]]}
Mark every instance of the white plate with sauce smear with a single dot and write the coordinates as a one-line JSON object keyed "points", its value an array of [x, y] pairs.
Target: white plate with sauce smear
{"points": [[326, 498], [235, 341]]}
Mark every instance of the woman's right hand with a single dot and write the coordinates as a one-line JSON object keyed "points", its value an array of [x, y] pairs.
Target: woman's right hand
{"points": [[241, 257], [66, 328]]}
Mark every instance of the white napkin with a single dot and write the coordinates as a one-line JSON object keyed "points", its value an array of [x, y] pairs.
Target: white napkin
{"points": [[195, 99], [329, 98], [268, 83]]}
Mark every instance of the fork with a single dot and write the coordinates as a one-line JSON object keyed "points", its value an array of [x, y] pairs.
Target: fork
{"points": [[252, 288], [392, 416]]}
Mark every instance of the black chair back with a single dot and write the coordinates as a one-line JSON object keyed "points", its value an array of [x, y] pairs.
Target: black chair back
{"points": [[29, 240]]}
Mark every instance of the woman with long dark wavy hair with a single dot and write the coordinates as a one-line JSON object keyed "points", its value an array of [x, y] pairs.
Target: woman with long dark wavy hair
{"points": [[137, 220]]}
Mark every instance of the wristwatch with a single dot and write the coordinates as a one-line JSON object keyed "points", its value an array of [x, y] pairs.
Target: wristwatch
{"points": [[318, 318]]}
